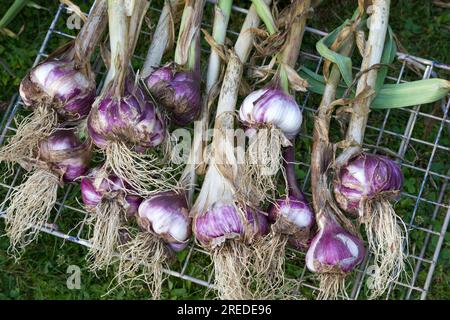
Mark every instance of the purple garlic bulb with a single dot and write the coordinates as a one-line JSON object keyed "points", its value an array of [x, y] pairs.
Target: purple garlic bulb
{"points": [[60, 85], [64, 153], [334, 249], [224, 221], [365, 177], [95, 187], [132, 119], [293, 216], [167, 215], [272, 106], [178, 92]]}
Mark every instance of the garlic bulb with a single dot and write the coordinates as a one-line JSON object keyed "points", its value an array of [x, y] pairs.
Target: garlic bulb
{"points": [[272, 106], [334, 249], [366, 177], [166, 214]]}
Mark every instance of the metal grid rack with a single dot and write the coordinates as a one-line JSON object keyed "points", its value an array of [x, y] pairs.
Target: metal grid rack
{"points": [[394, 128]]}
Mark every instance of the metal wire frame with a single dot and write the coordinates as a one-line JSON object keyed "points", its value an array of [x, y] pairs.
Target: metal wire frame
{"points": [[411, 287]]}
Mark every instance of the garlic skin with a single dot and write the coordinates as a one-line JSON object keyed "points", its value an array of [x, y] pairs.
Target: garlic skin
{"points": [[365, 177], [58, 84], [163, 74], [132, 119], [226, 220], [95, 187], [293, 216], [177, 91], [294, 210], [272, 106], [65, 154], [166, 214], [334, 249]]}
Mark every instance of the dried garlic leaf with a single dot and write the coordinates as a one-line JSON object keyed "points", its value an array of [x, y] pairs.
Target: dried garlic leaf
{"points": [[296, 82]]}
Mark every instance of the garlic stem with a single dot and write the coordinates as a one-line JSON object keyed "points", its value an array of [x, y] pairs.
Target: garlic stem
{"points": [[289, 160], [91, 32], [187, 51], [322, 151], [222, 13], [230, 86], [244, 42], [136, 17], [263, 10], [290, 52], [161, 38], [215, 185], [187, 11], [221, 18], [193, 62], [118, 39], [125, 21], [379, 17], [223, 137]]}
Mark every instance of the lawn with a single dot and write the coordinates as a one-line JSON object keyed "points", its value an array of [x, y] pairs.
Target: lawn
{"points": [[422, 28]]}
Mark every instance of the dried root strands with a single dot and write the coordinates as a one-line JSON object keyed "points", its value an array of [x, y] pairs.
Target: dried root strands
{"points": [[230, 232], [106, 220], [291, 221], [62, 158], [376, 178], [123, 122], [165, 227], [30, 131], [125, 129], [272, 118], [109, 205], [62, 88], [230, 271], [29, 208], [363, 188], [271, 115], [142, 261]]}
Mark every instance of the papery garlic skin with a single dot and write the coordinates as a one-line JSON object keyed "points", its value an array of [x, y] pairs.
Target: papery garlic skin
{"points": [[59, 85], [334, 249], [65, 154], [132, 119], [293, 216], [95, 187], [177, 91], [166, 214], [225, 220], [293, 209], [365, 177], [272, 106], [163, 74]]}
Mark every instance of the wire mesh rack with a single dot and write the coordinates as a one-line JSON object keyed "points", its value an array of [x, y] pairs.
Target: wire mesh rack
{"points": [[420, 136]]}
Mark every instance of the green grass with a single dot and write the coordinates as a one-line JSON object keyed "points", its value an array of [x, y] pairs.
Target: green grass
{"points": [[423, 30]]}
